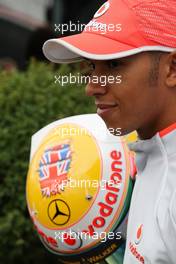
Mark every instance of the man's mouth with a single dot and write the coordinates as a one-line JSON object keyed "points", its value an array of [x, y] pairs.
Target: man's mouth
{"points": [[104, 108]]}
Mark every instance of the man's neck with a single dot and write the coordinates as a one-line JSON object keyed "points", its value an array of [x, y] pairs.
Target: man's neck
{"points": [[151, 130]]}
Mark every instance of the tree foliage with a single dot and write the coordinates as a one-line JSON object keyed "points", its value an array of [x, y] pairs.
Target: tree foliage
{"points": [[28, 101]]}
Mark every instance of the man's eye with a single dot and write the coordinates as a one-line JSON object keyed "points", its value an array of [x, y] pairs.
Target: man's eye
{"points": [[88, 69], [91, 66], [113, 64]]}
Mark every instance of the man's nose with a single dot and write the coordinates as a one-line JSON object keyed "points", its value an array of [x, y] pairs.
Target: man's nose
{"points": [[95, 89]]}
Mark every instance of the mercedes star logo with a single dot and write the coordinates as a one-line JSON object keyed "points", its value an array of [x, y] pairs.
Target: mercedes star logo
{"points": [[58, 212]]}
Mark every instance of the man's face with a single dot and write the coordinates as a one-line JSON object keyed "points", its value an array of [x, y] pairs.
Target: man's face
{"points": [[133, 104]]}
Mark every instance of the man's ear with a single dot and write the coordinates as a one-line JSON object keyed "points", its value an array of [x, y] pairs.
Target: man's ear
{"points": [[171, 70]]}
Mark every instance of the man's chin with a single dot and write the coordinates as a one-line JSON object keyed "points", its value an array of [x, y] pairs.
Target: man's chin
{"points": [[118, 130]]}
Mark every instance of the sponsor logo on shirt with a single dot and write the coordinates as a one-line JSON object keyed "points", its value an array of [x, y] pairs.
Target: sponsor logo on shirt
{"points": [[139, 234], [133, 246]]}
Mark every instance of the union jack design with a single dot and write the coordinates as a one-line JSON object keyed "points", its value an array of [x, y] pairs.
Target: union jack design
{"points": [[54, 166], [55, 154]]}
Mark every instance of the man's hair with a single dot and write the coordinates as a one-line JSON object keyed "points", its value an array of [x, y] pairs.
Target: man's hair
{"points": [[154, 70]]}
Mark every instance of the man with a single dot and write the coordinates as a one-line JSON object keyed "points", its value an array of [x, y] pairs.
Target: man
{"points": [[141, 48]]}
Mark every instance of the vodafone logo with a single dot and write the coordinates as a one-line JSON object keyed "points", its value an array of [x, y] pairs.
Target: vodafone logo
{"points": [[139, 234], [102, 10], [71, 240], [108, 204], [134, 247]]}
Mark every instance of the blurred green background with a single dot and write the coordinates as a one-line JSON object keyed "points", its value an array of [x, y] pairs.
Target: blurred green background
{"points": [[28, 101]]}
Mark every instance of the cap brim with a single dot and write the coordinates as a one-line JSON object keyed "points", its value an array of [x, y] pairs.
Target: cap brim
{"points": [[92, 46], [85, 45]]}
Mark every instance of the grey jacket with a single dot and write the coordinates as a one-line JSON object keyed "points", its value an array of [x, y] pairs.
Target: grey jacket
{"points": [[151, 233]]}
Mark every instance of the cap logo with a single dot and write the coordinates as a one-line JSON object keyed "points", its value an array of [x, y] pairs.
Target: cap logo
{"points": [[102, 10]]}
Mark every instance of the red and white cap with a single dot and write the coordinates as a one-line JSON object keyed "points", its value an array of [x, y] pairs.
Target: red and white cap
{"points": [[118, 29]]}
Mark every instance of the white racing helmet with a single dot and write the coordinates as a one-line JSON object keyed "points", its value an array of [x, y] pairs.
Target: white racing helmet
{"points": [[79, 188]]}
